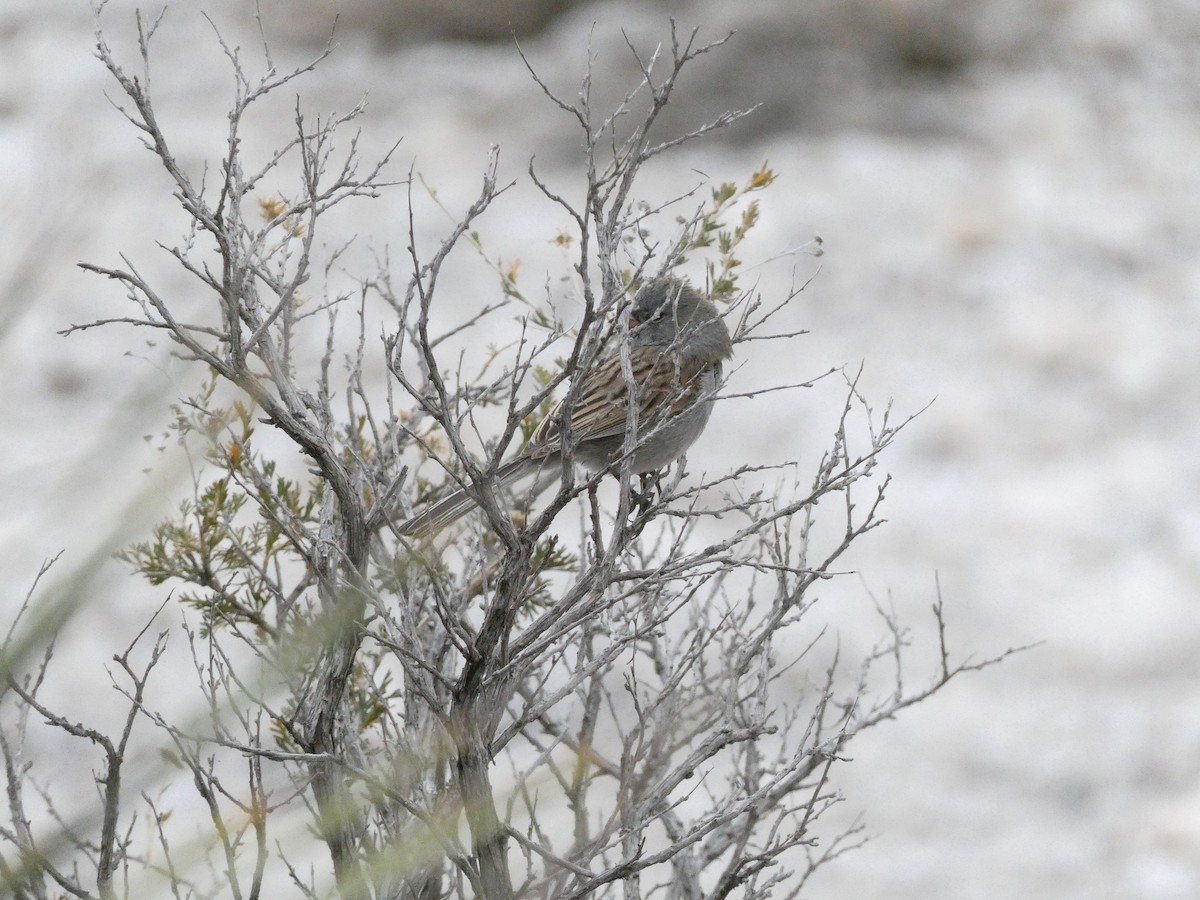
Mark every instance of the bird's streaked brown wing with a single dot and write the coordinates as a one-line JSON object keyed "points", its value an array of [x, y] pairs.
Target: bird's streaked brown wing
{"points": [[663, 386]]}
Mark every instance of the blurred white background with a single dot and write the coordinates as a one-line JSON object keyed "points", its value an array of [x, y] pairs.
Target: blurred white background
{"points": [[1009, 196]]}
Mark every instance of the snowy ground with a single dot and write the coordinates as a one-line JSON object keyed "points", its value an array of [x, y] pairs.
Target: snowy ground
{"points": [[1009, 196]]}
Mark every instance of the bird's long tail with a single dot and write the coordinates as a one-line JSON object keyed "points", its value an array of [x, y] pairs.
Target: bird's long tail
{"points": [[446, 512]]}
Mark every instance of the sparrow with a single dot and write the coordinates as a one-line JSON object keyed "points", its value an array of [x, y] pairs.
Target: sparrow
{"points": [[677, 342]]}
